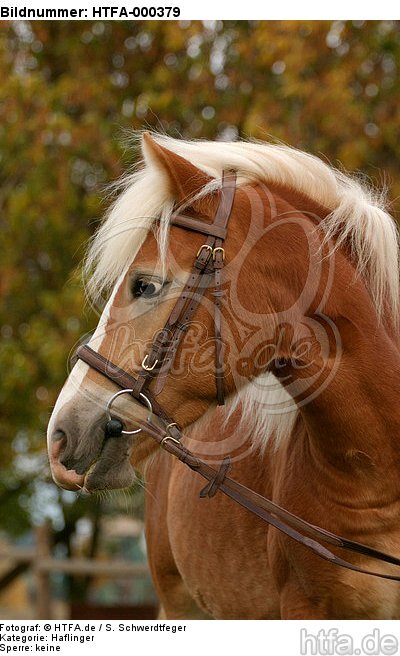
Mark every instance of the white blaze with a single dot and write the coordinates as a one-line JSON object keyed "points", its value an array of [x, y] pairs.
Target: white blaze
{"points": [[72, 388]]}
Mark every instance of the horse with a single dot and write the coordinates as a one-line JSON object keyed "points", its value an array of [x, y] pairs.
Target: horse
{"points": [[307, 354]]}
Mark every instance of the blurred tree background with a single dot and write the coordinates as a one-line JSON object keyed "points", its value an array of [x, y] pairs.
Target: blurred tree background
{"points": [[69, 93]]}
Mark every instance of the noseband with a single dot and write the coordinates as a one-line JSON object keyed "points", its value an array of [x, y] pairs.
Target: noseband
{"points": [[156, 365]]}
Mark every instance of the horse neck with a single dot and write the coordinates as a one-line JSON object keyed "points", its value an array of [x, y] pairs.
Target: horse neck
{"points": [[351, 414], [353, 421], [357, 415]]}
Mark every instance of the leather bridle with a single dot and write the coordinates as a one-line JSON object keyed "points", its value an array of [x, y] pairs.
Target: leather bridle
{"points": [[207, 267]]}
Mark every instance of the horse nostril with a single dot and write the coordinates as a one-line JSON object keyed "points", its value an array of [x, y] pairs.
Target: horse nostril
{"points": [[59, 442], [63, 449], [62, 474], [59, 435], [57, 445]]}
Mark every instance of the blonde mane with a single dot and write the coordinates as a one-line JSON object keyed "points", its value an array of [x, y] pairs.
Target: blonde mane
{"points": [[357, 218]]}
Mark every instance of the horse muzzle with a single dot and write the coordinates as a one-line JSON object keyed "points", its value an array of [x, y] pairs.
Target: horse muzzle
{"points": [[97, 457]]}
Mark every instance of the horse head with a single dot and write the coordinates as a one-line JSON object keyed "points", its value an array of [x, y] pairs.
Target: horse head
{"points": [[286, 277]]}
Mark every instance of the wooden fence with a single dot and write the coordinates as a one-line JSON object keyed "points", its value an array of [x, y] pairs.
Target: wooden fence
{"points": [[40, 560]]}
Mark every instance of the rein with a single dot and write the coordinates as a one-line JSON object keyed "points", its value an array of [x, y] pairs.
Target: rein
{"points": [[156, 365]]}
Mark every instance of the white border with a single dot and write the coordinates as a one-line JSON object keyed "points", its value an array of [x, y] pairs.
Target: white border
{"points": [[211, 10]]}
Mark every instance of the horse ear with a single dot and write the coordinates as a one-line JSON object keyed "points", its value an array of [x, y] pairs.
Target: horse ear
{"points": [[185, 180]]}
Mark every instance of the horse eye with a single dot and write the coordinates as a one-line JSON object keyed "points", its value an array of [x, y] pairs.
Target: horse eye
{"points": [[143, 288]]}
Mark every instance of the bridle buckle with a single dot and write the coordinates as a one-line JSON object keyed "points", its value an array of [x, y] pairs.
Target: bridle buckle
{"points": [[171, 439], [208, 247], [218, 249], [147, 368]]}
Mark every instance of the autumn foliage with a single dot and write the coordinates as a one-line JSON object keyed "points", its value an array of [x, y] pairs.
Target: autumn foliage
{"points": [[70, 94]]}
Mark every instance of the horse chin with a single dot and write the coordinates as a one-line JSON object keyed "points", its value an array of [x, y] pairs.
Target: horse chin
{"points": [[113, 469], [98, 481]]}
